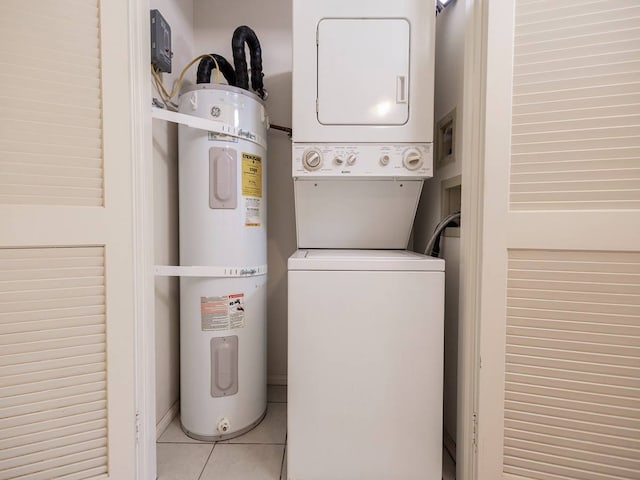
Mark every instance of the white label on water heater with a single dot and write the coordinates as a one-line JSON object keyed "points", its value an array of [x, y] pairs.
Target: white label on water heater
{"points": [[252, 212], [225, 312]]}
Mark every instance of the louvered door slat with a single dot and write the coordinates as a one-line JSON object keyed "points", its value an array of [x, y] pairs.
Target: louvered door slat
{"points": [[31, 448], [583, 286], [570, 404], [61, 465], [33, 379], [51, 324], [572, 442], [55, 353], [576, 373], [70, 401], [579, 375], [559, 465], [53, 409], [585, 356], [572, 365], [59, 313], [36, 418], [29, 432], [59, 126], [53, 433], [576, 99], [59, 293], [583, 113], [597, 123], [69, 449]]}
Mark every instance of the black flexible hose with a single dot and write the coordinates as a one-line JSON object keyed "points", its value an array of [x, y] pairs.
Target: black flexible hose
{"points": [[436, 246], [242, 35], [207, 65], [433, 245]]}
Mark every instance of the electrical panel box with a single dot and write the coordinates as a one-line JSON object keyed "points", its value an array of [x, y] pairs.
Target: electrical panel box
{"points": [[160, 43]]}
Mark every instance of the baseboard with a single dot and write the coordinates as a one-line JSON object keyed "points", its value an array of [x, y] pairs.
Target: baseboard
{"points": [[165, 421], [277, 379], [449, 445]]}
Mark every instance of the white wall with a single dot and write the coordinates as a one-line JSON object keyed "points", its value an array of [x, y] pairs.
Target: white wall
{"points": [[448, 95], [214, 26], [179, 14]]}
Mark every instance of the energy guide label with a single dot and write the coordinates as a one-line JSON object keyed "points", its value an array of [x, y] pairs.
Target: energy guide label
{"points": [[252, 189], [251, 175], [225, 312]]}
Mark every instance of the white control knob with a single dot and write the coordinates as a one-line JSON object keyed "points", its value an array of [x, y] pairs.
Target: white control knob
{"points": [[312, 159], [338, 160], [351, 159], [384, 160], [412, 159]]}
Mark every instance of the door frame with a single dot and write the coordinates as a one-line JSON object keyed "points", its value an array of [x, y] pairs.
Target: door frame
{"points": [[471, 235], [470, 242], [145, 362]]}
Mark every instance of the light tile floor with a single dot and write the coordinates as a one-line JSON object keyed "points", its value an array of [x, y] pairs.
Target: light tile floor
{"points": [[259, 454]]}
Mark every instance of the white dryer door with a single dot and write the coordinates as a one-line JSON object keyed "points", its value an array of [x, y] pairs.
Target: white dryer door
{"points": [[363, 71]]}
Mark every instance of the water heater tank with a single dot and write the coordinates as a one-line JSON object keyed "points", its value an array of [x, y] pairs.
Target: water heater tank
{"points": [[222, 194]]}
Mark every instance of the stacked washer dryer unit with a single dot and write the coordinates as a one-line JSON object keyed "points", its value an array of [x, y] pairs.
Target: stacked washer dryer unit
{"points": [[222, 188], [365, 315]]}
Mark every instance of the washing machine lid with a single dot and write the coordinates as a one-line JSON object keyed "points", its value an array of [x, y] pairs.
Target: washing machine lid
{"points": [[372, 260]]}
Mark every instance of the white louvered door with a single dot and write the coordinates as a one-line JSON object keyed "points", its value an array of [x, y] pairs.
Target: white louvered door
{"points": [[67, 406], [559, 385]]}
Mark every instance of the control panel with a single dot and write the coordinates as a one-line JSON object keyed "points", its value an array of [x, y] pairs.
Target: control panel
{"points": [[410, 160]]}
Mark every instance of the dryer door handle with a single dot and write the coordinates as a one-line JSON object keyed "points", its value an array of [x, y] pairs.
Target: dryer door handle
{"points": [[401, 89]]}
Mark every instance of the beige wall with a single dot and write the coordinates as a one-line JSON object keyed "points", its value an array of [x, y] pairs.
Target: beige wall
{"points": [[448, 95]]}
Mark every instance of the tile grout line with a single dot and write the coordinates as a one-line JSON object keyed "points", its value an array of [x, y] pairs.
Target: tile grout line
{"points": [[253, 443], [207, 462], [186, 443], [284, 451]]}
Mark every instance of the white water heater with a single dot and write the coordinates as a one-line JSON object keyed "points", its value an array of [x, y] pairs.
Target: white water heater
{"points": [[222, 192]]}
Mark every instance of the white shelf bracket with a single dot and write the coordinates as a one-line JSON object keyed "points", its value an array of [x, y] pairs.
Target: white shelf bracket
{"points": [[209, 271], [207, 125]]}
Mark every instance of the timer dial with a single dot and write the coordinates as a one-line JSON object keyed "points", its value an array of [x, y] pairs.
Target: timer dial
{"points": [[311, 159], [412, 159]]}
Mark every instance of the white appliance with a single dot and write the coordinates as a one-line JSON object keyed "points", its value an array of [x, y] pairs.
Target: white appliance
{"points": [[363, 71], [365, 326], [358, 195], [222, 189], [365, 365], [362, 119]]}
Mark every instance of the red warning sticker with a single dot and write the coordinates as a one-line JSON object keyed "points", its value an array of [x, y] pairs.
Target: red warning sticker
{"points": [[223, 312]]}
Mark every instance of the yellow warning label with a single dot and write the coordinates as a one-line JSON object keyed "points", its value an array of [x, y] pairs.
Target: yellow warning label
{"points": [[251, 175]]}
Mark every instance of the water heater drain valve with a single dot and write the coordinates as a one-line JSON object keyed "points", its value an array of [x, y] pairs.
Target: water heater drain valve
{"points": [[224, 425]]}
